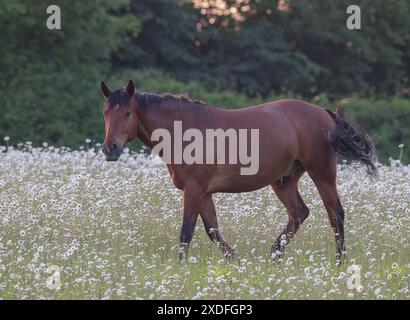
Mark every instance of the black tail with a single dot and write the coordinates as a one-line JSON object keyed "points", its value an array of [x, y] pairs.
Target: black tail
{"points": [[351, 143]]}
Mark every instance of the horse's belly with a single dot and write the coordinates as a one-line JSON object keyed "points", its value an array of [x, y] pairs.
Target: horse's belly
{"points": [[233, 181], [233, 186]]}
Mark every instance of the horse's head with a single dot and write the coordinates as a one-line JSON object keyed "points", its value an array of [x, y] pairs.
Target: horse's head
{"points": [[120, 117]]}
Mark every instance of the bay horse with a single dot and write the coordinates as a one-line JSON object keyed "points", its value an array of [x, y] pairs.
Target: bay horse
{"points": [[295, 137]]}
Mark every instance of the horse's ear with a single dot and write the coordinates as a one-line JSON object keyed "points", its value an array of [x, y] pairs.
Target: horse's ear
{"points": [[105, 90], [130, 89]]}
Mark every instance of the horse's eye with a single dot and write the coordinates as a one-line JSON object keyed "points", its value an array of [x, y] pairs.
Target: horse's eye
{"points": [[128, 114]]}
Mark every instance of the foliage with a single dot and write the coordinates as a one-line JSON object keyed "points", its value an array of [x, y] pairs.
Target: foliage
{"points": [[49, 79], [305, 49], [388, 122], [156, 81]]}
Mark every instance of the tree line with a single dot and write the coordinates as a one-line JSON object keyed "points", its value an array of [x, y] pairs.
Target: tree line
{"points": [[237, 54]]}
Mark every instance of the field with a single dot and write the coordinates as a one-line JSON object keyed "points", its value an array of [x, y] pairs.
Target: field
{"points": [[73, 226]]}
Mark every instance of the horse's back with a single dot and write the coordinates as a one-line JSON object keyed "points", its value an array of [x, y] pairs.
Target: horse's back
{"points": [[295, 128], [297, 111]]}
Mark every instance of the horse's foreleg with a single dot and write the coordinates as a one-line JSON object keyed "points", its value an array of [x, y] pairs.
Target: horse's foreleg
{"points": [[297, 213], [208, 215], [192, 201]]}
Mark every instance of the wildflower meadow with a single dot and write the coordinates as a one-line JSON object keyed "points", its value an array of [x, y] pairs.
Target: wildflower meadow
{"points": [[73, 226]]}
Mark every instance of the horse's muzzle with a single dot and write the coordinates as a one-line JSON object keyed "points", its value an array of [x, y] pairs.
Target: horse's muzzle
{"points": [[112, 152]]}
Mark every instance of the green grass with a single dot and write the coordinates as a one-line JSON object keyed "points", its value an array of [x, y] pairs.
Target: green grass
{"points": [[112, 229]]}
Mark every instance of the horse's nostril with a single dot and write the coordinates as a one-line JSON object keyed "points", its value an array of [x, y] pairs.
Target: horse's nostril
{"points": [[114, 147]]}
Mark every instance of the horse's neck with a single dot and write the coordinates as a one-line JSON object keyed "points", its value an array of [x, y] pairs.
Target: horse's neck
{"points": [[150, 119], [144, 135]]}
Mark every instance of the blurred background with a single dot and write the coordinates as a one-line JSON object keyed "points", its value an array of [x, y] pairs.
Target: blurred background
{"points": [[230, 53]]}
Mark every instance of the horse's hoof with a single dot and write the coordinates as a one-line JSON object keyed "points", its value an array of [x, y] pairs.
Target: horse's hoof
{"points": [[182, 257], [231, 255], [277, 256], [183, 251], [341, 259]]}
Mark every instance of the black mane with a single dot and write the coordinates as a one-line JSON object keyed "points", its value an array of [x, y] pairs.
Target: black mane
{"points": [[147, 99], [150, 100], [118, 97]]}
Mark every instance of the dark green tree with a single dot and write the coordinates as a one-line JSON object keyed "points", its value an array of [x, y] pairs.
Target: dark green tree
{"points": [[166, 41], [49, 78]]}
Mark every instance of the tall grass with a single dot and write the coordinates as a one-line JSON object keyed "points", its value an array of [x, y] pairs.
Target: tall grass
{"points": [[111, 229]]}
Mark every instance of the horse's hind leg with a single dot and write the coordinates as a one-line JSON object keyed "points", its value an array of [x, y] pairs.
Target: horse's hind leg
{"points": [[325, 181], [289, 195], [208, 215]]}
